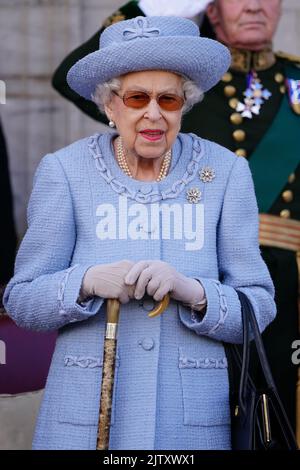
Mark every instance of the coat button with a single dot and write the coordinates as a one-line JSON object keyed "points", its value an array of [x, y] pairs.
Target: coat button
{"points": [[147, 343], [146, 228], [148, 304]]}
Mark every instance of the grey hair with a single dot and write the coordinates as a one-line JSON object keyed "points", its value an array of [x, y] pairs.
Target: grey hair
{"points": [[104, 92], [192, 93]]}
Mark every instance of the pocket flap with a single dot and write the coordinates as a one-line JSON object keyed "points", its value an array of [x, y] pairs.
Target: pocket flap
{"points": [[205, 388], [81, 389]]}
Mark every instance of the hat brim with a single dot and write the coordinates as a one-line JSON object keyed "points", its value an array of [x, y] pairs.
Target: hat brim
{"points": [[202, 60]]}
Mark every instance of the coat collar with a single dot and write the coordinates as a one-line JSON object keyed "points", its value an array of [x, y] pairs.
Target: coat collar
{"points": [[188, 152]]}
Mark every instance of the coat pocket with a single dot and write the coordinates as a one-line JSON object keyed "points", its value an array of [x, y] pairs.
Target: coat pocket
{"points": [[205, 388], [81, 389]]}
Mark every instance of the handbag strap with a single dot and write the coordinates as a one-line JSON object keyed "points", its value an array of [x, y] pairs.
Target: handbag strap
{"points": [[245, 360], [249, 319]]}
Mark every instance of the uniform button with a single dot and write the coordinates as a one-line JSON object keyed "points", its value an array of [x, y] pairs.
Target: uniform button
{"points": [[279, 78], [285, 214], [236, 119], [287, 196], [239, 135], [147, 343], [241, 153], [233, 102], [227, 77], [292, 178], [282, 89], [148, 304], [229, 91]]}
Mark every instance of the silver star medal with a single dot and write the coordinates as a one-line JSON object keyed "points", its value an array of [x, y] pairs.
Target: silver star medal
{"points": [[255, 96]]}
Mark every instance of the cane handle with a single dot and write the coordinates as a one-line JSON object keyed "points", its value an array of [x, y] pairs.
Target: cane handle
{"points": [[114, 306], [160, 307]]}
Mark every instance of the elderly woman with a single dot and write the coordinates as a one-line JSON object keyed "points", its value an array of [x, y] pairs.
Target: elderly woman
{"points": [[133, 215]]}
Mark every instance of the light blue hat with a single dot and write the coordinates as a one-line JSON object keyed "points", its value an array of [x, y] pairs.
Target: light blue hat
{"points": [[151, 43]]}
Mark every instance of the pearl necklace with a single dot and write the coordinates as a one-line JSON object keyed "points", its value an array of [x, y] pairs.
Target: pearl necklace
{"points": [[124, 165]]}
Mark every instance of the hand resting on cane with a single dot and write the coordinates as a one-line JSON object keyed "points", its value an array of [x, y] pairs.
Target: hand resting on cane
{"points": [[107, 281], [158, 278]]}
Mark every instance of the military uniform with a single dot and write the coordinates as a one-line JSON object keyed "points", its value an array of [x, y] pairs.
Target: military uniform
{"points": [[269, 140]]}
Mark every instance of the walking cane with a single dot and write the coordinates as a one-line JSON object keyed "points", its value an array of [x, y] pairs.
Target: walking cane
{"points": [[108, 367]]}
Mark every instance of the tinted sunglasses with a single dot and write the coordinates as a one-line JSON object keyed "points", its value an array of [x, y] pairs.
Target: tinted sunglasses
{"points": [[141, 99]]}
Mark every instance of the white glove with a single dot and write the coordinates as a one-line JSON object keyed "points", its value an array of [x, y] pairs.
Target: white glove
{"points": [[159, 278], [107, 281]]}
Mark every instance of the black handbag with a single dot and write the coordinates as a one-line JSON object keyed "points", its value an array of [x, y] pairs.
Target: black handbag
{"points": [[258, 418]]}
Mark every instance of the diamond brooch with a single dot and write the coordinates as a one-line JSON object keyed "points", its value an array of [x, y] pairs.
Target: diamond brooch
{"points": [[207, 174], [193, 195]]}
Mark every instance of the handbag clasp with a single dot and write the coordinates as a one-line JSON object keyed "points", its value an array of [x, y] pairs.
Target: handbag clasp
{"points": [[266, 419]]}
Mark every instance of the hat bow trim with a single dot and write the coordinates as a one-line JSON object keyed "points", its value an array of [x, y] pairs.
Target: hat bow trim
{"points": [[140, 30]]}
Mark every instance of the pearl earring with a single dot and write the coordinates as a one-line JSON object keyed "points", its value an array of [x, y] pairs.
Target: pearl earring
{"points": [[111, 124]]}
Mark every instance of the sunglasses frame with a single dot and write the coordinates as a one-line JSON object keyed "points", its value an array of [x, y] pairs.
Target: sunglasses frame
{"points": [[123, 98]]}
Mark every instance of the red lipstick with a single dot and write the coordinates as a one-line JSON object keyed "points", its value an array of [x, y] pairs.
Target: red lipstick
{"points": [[152, 134]]}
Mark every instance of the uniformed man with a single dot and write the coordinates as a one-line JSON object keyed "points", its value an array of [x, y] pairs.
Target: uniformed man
{"points": [[255, 112]]}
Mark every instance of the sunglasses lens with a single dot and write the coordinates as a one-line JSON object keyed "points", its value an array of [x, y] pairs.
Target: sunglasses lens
{"points": [[170, 102], [136, 99], [139, 99]]}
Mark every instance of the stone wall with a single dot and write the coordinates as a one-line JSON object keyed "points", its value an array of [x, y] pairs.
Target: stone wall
{"points": [[35, 35]]}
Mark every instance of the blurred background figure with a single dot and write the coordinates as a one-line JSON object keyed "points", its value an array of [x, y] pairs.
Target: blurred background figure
{"points": [[25, 356], [255, 112], [8, 238]]}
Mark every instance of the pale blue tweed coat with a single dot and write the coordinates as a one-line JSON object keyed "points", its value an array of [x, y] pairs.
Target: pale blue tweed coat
{"points": [[171, 389]]}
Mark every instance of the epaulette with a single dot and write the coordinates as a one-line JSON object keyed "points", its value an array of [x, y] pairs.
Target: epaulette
{"points": [[125, 12], [114, 18], [290, 57]]}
